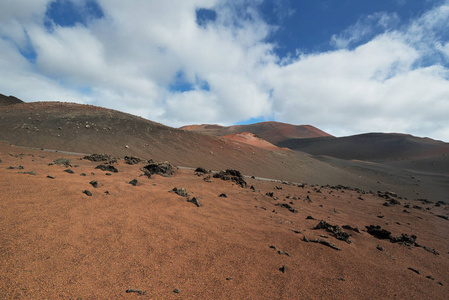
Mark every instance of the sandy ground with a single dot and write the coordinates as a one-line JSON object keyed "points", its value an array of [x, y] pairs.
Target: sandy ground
{"points": [[57, 242]]}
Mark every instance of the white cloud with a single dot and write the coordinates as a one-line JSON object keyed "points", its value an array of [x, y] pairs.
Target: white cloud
{"points": [[388, 79]]}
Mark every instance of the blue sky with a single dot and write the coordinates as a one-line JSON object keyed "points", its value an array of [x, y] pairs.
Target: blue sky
{"points": [[346, 67]]}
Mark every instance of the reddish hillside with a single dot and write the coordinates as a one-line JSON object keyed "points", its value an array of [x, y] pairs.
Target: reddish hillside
{"points": [[273, 132], [251, 139]]}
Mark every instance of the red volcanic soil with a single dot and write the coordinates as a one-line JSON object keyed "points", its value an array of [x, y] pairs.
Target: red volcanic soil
{"points": [[252, 139], [56, 242], [273, 132]]}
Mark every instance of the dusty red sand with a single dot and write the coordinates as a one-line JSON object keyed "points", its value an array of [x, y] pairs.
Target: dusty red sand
{"points": [[253, 140], [56, 242]]}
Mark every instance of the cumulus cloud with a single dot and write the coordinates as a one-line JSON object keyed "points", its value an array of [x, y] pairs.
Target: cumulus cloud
{"points": [[379, 77]]}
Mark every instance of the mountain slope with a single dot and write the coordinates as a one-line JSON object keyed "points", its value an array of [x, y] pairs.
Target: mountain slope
{"points": [[370, 146], [9, 100], [273, 132]]}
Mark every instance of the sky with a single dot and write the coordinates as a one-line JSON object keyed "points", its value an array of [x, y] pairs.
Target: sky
{"points": [[344, 66]]}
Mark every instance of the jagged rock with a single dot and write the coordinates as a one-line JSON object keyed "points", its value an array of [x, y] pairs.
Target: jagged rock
{"points": [[194, 200], [404, 239], [200, 171], [88, 193], [287, 206], [283, 269], [269, 194], [310, 218], [252, 188], [335, 231], [164, 169], [51, 177], [100, 157], [69, 171], [107, 168], [378, 232], [443, 217], [232, 175], [223, 195], [94, 183], [131, 160], [181, 192], [133, 182]]}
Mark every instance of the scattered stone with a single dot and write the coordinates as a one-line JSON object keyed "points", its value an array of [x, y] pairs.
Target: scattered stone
{"points": [[133, 182], [404, 239], [30, 173], [287, 206], [232, 175], [283, 269], [69, 171], [378, 247], [100, 157], [430, 277], [83, 174], [62, 161], [134, 290], [176, 291], [17, 168], [228, 278], [269, 194], [94, 183], [440, 283], [223, 195], [252, 188], [107, 168], [282, 252], [443, 217], [417, 207], [131, 160], [310, 218], [51, 177], [194, 200], [414, 270], [326, 243], [433, 251], [88, 193], [308, 199], [107, 174], [296, 231], [341, 279], [181, 192], [273, 247], [335, 231], [164, 169], [207, 178], [304, 239], [107, 192]]}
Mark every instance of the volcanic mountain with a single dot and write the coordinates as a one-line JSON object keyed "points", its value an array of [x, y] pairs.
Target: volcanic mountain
{"points": [[273, 132]]}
